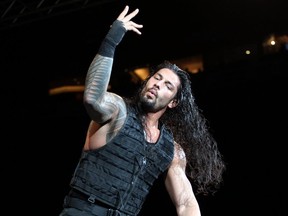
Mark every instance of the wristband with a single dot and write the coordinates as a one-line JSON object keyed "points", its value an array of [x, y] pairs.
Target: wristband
{"points": [[112, 39]]}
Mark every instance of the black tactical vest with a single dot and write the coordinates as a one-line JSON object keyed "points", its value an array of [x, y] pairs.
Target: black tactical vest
{"points": [[122, 172]]}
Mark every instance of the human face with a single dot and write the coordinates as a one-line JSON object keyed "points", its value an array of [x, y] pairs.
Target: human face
{"points": [[160, 90]]}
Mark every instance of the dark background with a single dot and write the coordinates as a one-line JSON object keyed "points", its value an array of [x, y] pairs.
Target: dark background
{"points": [[244, 101]]}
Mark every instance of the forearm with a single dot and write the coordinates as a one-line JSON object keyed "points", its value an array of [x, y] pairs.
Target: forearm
{"points": [[99, 72], [97, 79], [100, 69], [189, 210], [179, 187], [98, 102]]}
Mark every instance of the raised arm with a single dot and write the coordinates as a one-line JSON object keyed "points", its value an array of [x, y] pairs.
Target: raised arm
{"points": [[101, 105], [179, 186]]}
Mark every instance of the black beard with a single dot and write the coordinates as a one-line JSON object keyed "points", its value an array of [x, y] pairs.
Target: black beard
{"points": [[146, 105]]}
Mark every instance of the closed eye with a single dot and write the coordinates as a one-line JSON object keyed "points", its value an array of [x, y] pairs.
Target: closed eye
{"points": [[158, 76]]}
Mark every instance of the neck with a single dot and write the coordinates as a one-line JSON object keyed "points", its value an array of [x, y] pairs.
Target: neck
{"points": [[151, 130], [151, 120]]}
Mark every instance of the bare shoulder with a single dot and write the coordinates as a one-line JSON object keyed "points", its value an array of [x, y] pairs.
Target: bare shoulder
{"points": [[179, 158]]}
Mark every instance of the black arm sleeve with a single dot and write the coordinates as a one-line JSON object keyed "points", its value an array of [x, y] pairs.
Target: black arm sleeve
{"points": [[112, 39]]}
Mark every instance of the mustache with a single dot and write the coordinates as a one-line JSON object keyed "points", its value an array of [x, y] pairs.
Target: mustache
{"points": [[153, 91]]}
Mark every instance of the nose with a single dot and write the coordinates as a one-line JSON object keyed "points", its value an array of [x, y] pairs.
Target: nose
{"points": [[157, 85]]}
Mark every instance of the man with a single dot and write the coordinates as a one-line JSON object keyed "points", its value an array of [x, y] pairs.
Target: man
{"points": [[132, 143]]}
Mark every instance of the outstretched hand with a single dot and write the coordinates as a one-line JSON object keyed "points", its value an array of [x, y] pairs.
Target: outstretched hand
{"points": [[126, 20]]}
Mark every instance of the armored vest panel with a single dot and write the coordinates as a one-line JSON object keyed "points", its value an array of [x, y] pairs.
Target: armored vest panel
{"points": [[121, 173]]}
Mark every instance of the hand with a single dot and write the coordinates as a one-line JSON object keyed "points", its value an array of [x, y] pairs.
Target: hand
{"points": [[129, 25]]}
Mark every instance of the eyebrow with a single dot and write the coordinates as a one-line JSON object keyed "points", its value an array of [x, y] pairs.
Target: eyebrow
{"points": [[170, 83]]}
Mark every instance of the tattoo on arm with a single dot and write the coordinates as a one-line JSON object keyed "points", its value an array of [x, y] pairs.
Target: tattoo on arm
{"points": [[100, 104]]}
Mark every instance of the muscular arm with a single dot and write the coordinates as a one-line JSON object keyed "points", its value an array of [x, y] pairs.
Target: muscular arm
{"points": [[102, 105], [180, 188]]}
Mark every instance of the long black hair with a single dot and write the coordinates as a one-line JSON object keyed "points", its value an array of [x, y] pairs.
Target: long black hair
{"points": [[190, 129]]}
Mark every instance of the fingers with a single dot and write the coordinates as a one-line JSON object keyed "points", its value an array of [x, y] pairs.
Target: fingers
{"points": [[123, 13], [131, 15], [134, 27], [129, 25], [122, 17]]}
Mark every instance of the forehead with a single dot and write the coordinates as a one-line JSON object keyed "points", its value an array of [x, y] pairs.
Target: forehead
{"points": [[169, 75]]}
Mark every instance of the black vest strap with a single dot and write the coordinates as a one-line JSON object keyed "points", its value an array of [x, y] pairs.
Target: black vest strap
{"points": [[91, 207]]}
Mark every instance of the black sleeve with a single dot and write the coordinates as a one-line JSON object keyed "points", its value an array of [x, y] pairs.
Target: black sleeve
{"points": [[112, 39]]}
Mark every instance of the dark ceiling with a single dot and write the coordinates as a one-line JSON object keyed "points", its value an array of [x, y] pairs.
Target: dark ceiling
{"points": [[59, 38], [42, 41]]}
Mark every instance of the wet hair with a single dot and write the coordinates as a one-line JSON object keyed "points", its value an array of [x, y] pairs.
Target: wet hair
{"points": [[190, 129]]}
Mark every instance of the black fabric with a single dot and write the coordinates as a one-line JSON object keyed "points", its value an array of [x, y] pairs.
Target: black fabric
{"points": [[112, 39], [95, 209], [122, 172], [79, 195]]}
